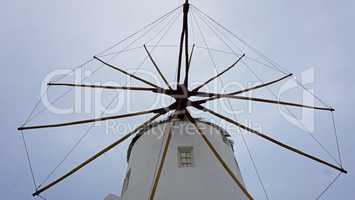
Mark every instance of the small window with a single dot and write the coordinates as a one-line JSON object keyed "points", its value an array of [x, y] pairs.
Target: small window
{"points": [[185, 156], [126, 181]]}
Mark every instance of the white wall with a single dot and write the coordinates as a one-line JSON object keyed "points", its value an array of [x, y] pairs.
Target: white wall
{"points": [[206, 180]]}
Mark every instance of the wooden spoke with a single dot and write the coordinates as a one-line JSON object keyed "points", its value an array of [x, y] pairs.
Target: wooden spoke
{"points": [[218, 75], [187, 57], [186, 82], [126, 73], [180, 54], [271, 139], [219, 158], [249, 89], [103, 87], [155, 90], [157, 68], [162, 159], [92, 158], [183, 36], [260, 86], [159, 110], [208, 94]]}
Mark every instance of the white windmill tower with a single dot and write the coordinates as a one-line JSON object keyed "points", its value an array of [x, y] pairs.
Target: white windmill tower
{"points": [[190, 170], [181, 157]]}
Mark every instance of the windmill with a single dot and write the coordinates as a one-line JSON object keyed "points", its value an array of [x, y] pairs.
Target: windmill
{"points": [[180, 110]]}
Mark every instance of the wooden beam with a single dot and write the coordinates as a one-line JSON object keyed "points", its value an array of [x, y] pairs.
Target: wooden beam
{"points": [[183, 36], [260, 86], [186, 82], [162, 159], [157, 68], [219, 158], [271, 139], [94, 157], [159, 110], [126, 73], [247, 90], [103, 87], [218, 75], [186, 22], [209, 94]]}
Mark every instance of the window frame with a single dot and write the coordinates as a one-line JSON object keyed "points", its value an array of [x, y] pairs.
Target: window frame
{"points": [[185, 156]]}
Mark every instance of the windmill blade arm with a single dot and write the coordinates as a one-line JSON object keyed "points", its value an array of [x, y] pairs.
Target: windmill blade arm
{"points": [[219, 158], [245, 90], [155, 90], [186, 81], [260, 86], [157, 68], [162, 160], [97, 155], [126, 73], [218, 75], [159, 110], [285, 146], [103, 87], [180, 54], [216, 95]]}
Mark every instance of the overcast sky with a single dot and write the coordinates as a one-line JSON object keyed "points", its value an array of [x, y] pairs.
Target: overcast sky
{"points": [[38, 37]]}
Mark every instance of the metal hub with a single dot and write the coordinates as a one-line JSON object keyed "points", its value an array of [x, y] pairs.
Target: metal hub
{"points": [[181, 99]]}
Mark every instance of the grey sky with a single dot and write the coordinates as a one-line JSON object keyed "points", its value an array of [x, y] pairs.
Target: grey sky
{"points": [[38, 37]]}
